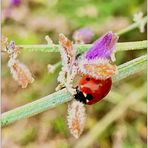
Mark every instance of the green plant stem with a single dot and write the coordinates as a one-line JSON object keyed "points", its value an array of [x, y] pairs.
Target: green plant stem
{"points": [[130, 68], [63, 96], [114, 114], [132, 26], [36, 107], [81, 48]]}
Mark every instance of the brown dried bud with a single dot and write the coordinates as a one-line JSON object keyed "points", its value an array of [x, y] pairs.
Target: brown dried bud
{"points": [[20, 72], [76, 118], [67, 51]]}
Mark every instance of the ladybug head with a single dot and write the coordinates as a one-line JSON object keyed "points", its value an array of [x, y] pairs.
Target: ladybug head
{"points": [[82, 97]]}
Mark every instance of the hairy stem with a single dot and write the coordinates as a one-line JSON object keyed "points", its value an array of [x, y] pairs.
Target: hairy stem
{"points": [[81, 48], [63, 96], [132, 26]]}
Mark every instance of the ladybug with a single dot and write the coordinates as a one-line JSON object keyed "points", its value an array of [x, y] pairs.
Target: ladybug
{"points": [[91, 90]]}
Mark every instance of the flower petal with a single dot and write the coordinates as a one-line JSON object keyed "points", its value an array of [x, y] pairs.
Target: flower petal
{"points": [[103, 47], [15, 3]]}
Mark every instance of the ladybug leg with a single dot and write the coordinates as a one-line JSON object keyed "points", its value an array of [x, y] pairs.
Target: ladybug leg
{"points": [[59, 87], [66, 80]]}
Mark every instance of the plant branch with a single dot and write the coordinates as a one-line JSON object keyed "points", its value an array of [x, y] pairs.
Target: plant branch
{"points": [[63, 96], [83, 47], [132, 26], [130, 68]]}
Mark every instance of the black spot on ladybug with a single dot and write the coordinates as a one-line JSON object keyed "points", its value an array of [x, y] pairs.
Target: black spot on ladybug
{"points": [[87, 79]]}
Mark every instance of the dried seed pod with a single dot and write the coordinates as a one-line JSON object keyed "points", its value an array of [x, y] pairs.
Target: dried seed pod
{"points": [[69, 70], [99, 69], [76, 118], [20, 72], [67, 51]]}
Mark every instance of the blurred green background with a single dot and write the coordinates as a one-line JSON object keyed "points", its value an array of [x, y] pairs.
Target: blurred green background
{"points": [[28, 23]]}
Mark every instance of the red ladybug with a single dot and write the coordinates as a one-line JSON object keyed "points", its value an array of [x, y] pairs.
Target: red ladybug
{"points": [[91, 90]]}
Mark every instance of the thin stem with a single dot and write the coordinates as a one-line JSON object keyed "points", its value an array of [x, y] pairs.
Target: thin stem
{"points": [[130, 68], [132, 26], [81, 48], [63, 96]]}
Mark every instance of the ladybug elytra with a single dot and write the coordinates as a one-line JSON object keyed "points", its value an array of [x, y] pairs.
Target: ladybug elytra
{"points": [[91, 90]]}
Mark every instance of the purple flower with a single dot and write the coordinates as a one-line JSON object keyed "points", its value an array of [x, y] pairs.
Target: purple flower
{"points": [[83, 35], [12, 45], [103, 47], [15, 3]]}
